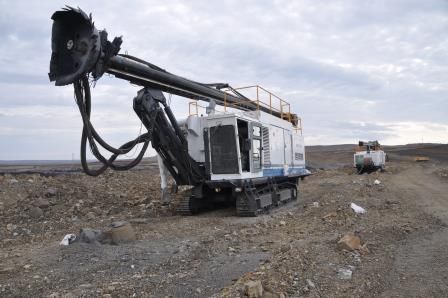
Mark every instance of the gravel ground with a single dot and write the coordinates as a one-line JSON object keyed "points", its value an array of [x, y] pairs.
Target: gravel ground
{"points": [[293, 251]]}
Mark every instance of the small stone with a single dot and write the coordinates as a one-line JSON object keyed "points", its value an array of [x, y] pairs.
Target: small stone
{"points": [[282, 222], [35, 212], [26, 267], [10, 227], [51, 192], [315, 204], [253, 289], [13, 181], [86, 286], [231, 249], [344, 273], [91, 215], [364, 249], [329, 215], [41, 203], [30, 180], [198, 290], [138, 221], [310, 283], [349, 242], [285, 248]]}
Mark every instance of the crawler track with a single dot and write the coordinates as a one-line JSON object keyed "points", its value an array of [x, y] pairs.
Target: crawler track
{"points": [[249, 202], [255, 201], [188, 206]]}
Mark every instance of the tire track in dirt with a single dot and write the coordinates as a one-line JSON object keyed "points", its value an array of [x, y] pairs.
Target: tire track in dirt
{"points": [[421, 263]]}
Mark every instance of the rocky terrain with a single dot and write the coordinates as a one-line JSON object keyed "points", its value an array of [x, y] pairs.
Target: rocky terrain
{"points": [[315, 247]]}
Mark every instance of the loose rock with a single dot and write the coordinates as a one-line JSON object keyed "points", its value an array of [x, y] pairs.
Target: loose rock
{"points": [[344, 273], [310, 283], [253, 289], [329, 215], [121, 232], [51, 192], [35, 212], [91, 215], [91, 236], [10, 227], [349, 242], [41, 203]]}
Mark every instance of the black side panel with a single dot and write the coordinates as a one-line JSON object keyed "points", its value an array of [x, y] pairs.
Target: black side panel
{"points": [[223, 150]]}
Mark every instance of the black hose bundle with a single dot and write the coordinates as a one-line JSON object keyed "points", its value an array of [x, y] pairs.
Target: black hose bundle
{"points": [[83, 100]]}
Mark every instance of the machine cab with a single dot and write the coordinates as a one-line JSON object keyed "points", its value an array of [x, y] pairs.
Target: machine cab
{"points": [[234, 147]]}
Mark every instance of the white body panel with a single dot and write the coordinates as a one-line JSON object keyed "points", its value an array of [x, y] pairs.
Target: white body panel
{"points": [[276, 146], [194, 126]]}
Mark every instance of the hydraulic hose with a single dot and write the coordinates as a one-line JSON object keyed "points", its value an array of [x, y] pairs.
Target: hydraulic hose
{"points": [[83, 99]]}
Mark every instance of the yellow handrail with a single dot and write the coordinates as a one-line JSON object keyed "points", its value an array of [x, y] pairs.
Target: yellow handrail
{"points": [[283, 108]]}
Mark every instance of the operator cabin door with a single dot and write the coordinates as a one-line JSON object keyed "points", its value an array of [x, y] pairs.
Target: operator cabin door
{"points": [[256, 147], [287, 137]]}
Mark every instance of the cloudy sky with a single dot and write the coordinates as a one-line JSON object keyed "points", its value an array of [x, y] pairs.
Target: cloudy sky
{"points": [[351, 69]]}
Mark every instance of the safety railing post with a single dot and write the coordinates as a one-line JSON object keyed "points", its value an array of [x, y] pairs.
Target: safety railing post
{"points": [[258, 100]]}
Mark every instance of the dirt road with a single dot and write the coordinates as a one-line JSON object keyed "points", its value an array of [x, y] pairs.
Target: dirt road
{"points": [[421, 265], [292, 251]]}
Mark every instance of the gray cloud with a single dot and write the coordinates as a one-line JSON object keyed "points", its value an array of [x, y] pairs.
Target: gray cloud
{"points": [[349, 68]]}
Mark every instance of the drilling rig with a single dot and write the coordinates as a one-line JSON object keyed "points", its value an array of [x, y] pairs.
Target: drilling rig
{"points": [[251, 154], [369, 157]]}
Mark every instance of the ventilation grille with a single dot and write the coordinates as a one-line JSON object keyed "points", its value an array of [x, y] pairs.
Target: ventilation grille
{"points": [[223, 150], [266, 147], [299, 156]]}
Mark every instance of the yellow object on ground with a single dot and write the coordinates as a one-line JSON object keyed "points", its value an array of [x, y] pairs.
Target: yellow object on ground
{"points": [[421, 158]]}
